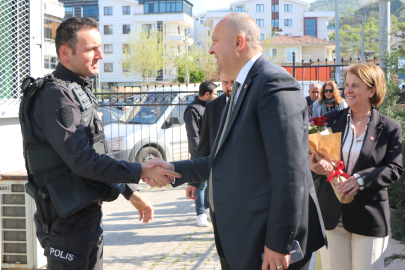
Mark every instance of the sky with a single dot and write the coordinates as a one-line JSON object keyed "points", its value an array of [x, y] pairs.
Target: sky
{"points": [[204, 5]]}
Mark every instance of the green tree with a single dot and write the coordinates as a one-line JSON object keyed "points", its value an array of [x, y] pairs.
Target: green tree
{"points": [[205, 61], [143, 54]]}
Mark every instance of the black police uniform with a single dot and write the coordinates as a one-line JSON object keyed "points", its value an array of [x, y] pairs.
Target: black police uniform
{"points": [[74, 241]]}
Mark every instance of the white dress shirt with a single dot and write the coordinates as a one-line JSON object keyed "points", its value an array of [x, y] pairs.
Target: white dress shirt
{"points": [[350, 156], [243, 74]]}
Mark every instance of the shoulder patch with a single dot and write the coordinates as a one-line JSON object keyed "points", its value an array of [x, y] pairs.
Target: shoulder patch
{"points": [[66, 116]]}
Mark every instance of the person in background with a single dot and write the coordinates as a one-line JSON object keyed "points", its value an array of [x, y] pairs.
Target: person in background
{"points": [[329, 100], [314, 89], [193, 116], [358, 232]]}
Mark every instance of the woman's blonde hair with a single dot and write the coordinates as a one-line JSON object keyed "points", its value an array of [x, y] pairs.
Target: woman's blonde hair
{"points": [[372, 76], [336, 92]]}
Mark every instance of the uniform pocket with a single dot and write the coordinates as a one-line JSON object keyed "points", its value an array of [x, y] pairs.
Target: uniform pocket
{"points": [[63, 256]]}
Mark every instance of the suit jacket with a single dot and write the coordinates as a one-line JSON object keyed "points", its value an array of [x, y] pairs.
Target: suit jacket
{"points": [[209, 129], [262, 186], [379, 164]]}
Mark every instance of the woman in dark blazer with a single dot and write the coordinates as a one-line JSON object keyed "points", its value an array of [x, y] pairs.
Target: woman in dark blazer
{"points": [[358, 232]]}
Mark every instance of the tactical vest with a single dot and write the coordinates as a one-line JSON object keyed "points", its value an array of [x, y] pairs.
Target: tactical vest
{"points": [[67, 191]]}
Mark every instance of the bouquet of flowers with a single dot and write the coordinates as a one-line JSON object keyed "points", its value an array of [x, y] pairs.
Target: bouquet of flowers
{"points": [[326, 145]]}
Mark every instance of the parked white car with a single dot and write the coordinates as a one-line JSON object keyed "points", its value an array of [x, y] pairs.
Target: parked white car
{"points": [[154, 127]]}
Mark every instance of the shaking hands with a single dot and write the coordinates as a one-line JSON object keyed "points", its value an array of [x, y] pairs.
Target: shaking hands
{"points": [[157, 172]]}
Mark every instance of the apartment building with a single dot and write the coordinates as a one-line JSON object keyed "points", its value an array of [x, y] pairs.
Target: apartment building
{"points": [[54, 13], [275, 17], [81, 8], [119, 17]]}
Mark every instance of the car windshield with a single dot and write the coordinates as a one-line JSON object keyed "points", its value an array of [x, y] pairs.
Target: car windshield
{"points": [[151, 107]]}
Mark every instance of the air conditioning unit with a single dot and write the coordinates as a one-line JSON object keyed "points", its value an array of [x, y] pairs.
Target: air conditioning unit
{"points": [[19, 245]]}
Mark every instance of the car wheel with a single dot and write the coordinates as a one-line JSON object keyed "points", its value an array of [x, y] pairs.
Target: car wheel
{"points": [[148, 153]]}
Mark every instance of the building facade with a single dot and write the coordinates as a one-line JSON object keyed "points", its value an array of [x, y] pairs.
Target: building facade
{"points": [[119, 17], [81, 8], [54, 13], [275, 17]]}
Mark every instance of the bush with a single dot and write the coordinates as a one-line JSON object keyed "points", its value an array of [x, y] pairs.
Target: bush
{"points": [[196, 76]]}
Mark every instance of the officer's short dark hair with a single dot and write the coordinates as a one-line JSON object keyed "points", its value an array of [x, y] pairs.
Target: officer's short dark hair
{"points": [[206, 87], [66, 34]]}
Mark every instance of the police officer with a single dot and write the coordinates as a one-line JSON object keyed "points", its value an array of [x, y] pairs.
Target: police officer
{"points": [[70, 168]]}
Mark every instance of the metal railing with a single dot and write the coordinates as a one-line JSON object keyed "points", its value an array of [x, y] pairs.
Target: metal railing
{"points": [[321, 70], [142, 125]]}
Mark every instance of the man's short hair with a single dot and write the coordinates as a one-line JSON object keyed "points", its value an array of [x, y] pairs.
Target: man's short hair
{"points": [[315, 84], [206, 87], [66, 34]]}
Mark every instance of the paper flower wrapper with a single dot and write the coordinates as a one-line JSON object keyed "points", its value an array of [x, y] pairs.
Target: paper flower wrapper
{"points": [[326, 145]]}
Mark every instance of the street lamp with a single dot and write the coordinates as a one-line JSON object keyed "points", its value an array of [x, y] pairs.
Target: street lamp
{"points": [[362, 34]]}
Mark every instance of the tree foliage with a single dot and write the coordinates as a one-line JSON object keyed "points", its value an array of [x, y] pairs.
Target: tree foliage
{"points": [[352, 23], [143, 54]]}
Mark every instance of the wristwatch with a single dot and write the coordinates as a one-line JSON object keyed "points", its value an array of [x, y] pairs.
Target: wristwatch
{"points": [[359, 180]]}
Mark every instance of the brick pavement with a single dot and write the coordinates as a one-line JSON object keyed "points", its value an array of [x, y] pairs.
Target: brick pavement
{"points": [[171, 240]]}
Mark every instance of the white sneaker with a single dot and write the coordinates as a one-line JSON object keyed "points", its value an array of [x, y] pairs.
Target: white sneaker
{"points": [[207, 212], [202, 220]]}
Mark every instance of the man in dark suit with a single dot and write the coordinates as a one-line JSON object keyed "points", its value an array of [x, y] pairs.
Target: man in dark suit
{"points": [[261, 190], [314, 89], [209, 130]]}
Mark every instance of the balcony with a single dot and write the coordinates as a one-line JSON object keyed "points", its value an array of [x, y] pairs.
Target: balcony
{"points": [[182, 37], [54, 8]]}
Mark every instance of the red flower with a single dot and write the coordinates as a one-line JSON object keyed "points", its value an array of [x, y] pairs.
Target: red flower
{"points": [[319, 121]]}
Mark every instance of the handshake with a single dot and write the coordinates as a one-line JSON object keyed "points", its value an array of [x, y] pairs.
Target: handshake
{"points": [[158, 173]]}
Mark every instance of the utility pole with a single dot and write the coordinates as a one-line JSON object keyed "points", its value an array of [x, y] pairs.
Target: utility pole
{"points": [[337, 47], [385, 29]]}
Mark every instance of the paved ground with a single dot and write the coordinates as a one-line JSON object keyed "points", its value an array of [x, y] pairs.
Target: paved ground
{"points": [[172, 240]]}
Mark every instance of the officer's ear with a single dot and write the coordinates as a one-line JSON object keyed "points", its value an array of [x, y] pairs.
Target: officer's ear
{"points": [[65, 52]]}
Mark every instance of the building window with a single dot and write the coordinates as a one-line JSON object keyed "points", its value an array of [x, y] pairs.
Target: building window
{"points": [[90, 11], [261, 37], [125, 48], [288, 7], [274, 52], [108, 67], [126, 28], [288, 35], [108, 29], [125, 68], [108, 11], [239, 8], [260, 8], [68, 12], [274, 8], [274, 23], [289, 54], [310, 27], [167, 7], [126, 10], [288, 22], [260, 22], [147, 28], [50, 62], [201, 20], [108, 48], [50, 27], [196, 19]]}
